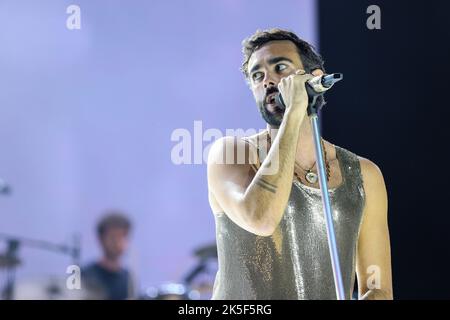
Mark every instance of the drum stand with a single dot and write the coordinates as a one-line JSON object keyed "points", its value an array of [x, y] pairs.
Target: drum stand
{"points": [[9, 260]]}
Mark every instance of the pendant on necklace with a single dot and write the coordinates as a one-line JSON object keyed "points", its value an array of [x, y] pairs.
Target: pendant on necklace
{"points": [[311, 177]]}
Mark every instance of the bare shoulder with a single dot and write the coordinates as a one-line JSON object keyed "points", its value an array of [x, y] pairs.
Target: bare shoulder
{"points": [[231, 150], [229, 170], [374, 185], [218, 149], [370, 171]]}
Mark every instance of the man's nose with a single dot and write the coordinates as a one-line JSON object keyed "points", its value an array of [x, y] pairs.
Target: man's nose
{"points": [[269, 81], [268, 84]]}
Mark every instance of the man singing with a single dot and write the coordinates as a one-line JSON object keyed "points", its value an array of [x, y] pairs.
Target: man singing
{"points": [[270, 226]]}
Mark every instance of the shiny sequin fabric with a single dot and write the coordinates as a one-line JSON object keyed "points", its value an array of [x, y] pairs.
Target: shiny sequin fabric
{"points": [[294, 262]]}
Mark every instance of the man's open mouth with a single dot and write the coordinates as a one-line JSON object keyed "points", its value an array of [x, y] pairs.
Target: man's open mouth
{"points": [[270, 99]]}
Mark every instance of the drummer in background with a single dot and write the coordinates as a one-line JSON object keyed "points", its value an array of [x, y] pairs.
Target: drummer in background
{"points": [[107, 276]]}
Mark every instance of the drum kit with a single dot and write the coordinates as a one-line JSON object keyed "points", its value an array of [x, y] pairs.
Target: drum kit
{"points": [[196, 284]]}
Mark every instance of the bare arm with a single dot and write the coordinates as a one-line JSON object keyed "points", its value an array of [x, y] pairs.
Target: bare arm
{"points": [[373, 261], [256, 202]]}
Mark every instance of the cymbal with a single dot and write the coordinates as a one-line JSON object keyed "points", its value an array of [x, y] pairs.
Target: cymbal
{"points": [[6, 261]]}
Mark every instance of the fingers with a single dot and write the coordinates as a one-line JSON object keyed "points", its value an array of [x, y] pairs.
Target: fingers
{"points": [[317, 72], [299, 74], [293, 89]]}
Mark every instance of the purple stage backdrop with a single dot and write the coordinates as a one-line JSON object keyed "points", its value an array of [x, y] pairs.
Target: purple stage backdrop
{"points": [[88, 120]]}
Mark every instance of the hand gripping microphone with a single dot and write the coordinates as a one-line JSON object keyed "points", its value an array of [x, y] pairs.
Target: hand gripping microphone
{"points": [[315, 87]]}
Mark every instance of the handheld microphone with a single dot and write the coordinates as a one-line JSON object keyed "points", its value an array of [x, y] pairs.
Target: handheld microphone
{"points": [[315, 87]]}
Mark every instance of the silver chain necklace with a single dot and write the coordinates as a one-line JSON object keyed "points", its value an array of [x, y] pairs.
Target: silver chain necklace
{"points": [[310, 175]]}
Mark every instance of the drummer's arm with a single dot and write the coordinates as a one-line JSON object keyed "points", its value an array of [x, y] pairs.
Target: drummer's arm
{"points": [[373, 259]]}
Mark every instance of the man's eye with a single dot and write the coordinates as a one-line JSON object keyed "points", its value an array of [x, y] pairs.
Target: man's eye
{"points": [[280, 67], [257, 76]]}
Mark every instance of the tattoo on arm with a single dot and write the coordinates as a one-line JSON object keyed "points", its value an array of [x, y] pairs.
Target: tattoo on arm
{"points": [[266, 185]]}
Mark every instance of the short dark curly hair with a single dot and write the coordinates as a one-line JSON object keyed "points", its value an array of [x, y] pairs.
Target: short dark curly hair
{"points": [[310, 58], [113, 219]]}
